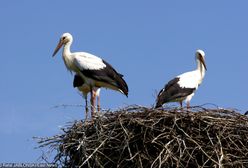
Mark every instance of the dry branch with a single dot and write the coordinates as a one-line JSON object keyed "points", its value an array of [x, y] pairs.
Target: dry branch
{"points": [[145, 137]]}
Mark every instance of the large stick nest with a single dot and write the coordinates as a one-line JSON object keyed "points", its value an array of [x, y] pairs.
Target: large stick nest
{"points": [[145, 137]]}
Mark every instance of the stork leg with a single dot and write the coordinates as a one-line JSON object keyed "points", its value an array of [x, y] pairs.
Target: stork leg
{"points": [[86, 108], [98, 103], [97, 96], [181, 104], [92, 101], [188, 105]]}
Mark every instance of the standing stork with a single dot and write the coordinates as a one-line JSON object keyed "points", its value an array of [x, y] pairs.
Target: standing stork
{"points": [[94, 71], [183, 86], [85, 89]]}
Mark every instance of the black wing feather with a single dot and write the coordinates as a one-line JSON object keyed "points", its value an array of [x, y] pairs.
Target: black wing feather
{"points": [[171, 92], [78, 81], [108, 75]]}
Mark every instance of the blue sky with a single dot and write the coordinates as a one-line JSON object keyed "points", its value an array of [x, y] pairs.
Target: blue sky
{"points": [[149, 42]]}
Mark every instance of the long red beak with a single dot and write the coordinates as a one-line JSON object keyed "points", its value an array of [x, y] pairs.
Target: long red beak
{"points": [[203, 62], [58, 47]]}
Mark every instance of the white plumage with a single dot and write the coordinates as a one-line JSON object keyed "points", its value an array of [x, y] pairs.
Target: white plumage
{"points": [[87, 61], [183, 86]]}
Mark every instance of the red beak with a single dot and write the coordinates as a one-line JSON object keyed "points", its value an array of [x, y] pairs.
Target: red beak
{"points": [[203, 62], [60, 44]]}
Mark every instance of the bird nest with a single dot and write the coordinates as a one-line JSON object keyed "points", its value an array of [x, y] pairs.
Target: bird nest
{"points": [[144, 137]]}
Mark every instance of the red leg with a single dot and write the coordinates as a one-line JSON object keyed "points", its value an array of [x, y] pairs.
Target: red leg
{"points": [[92, 100], [98, 103], [188, 105]]}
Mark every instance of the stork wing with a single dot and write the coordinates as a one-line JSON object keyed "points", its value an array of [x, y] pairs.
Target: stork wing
{"points": [[172, 92], [95, 68], [109, 76], [86, 61]]}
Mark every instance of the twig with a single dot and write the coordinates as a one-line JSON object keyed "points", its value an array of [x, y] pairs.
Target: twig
{"points": [[93, 152], [221, 153]]}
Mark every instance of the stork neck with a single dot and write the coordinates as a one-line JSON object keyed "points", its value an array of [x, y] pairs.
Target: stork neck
{"points": [[67, 56], [67, 49], [201, 69]]}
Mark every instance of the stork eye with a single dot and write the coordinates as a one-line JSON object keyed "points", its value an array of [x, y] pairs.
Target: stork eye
{"points": [[63, 38]]}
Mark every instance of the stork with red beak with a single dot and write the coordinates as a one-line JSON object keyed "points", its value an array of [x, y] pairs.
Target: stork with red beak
{"points": [[183, 87], [94, 71]]}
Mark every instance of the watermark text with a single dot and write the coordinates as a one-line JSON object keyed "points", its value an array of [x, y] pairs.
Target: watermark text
{"points": [[27, 165]]}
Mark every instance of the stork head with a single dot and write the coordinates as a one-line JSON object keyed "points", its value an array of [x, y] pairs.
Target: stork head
{"points": [[200, 56], [64, 39]]}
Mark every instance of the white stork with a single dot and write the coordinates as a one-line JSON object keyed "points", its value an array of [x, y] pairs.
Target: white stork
{"points": [[94, 71], [183, 86], [85, 89]]}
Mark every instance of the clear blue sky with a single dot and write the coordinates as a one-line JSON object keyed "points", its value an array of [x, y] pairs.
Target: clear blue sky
{"points": [[149, 42]]}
